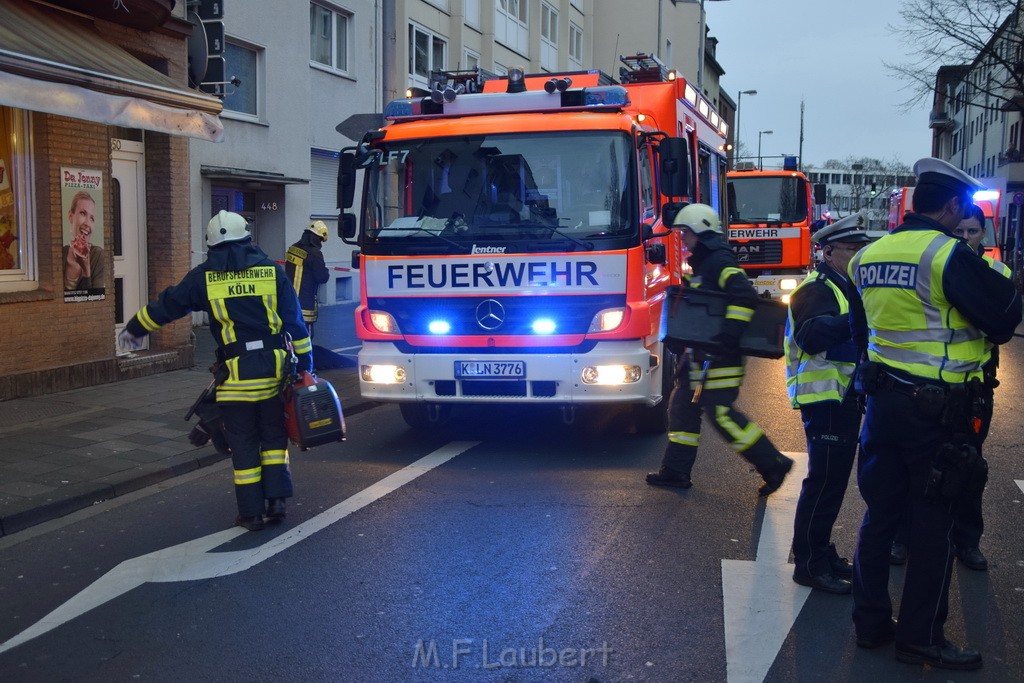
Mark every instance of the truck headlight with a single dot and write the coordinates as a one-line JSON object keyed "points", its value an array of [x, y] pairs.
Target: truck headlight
{"points": [[611, 374], [787, 284], [607, 320], [383, 322], [382, 374]]}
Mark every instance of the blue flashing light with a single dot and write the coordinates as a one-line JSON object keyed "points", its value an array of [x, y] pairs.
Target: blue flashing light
{"points": [[543, 326], [399, 108], [986, 196], [605, 96], [439, 327]]}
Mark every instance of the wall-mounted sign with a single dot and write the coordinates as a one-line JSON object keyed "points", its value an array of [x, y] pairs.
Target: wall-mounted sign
{"points": [[84, 262]]}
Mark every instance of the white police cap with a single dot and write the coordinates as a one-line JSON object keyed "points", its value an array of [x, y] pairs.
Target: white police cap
{"points": [[849, 229], [939, 172]]}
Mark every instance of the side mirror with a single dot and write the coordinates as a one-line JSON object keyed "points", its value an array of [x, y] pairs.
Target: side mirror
{"points": [[820, 194], [669, 211], [347, 226], [657, 254], [355, 259], [346, 179], [676, 172]]}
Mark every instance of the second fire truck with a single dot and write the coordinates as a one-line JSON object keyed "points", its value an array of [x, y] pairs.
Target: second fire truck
{"points": [[770, 224]]}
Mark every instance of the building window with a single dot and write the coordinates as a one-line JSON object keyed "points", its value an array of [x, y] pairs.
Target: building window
{"points": [[578, 4], [329, 38], [575, 47], [500, 69], [512, 26], [471, 9], [548, 37], [427, 52], [440, 4], [323, 184], [17, 239], [470, 60], [242, 63]]}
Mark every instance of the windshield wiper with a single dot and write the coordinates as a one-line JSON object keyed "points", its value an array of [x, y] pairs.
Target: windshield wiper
{"points": [[556, 230], [461, 247]]}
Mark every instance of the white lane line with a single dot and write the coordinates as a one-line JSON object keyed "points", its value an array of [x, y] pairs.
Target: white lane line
{"points": [[192, 560], [760, 598]]}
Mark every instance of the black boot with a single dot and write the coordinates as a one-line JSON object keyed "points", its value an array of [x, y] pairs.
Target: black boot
{"points": [[667, 477], [250, 523], [275, 509], [774, 477]]}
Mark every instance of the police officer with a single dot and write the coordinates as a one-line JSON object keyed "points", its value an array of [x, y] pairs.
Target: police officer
{"points": [[923, 306], [969, 523], [253, 311], [714, 268], [304, 264], [820, 360]]}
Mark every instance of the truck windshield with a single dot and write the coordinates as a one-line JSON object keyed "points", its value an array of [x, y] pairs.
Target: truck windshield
{"points": [[768, 199], [572, 188]]}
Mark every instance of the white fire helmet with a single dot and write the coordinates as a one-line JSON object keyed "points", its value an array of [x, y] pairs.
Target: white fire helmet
{"points": [[699, 218], [226, 226], [319, 228]]}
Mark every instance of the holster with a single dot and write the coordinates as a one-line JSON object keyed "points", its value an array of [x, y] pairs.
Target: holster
{"points": [[867, 378], [956, 472]]}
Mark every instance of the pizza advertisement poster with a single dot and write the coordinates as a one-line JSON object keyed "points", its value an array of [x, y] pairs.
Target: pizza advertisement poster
{"points": [[81, 199]]}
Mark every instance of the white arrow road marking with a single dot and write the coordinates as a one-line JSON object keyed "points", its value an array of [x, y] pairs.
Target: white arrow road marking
{"points": [[192, 561], [1020, 484], [760, 598]]}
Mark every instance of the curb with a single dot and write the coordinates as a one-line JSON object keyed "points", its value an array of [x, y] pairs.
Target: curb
{"points": [[19, 515]]}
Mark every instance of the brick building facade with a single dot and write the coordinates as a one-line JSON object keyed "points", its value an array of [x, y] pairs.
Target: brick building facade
{"points": [[54, 342]]}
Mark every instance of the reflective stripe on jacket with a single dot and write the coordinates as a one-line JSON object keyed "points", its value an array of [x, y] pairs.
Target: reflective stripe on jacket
{"points": [[249, 300], [820, 377], [912, 327]]}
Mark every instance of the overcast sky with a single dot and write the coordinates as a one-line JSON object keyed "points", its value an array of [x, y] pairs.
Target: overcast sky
{"points": [[828, 53]]}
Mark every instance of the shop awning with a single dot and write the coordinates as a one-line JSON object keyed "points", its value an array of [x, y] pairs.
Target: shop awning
{"points": [[245, 175], [55, 62]]}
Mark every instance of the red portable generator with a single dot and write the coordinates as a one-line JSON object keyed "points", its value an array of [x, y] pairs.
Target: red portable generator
{"points": [[312, 412]]}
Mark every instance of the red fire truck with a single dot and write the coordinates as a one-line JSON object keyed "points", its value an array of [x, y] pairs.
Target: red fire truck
{"points": [[770, 218], [514, 244], [901, 202]]}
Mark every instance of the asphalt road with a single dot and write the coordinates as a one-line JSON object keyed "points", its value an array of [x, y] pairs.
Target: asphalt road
{"points": [[508, 547]]}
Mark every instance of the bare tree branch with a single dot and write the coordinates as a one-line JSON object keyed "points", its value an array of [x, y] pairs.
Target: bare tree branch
{"points": [[950, 33]]}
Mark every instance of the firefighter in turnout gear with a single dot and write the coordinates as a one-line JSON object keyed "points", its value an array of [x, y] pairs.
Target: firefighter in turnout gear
{"points": [[305, 266], [714, 267], [923, 307], [253, 312], [820, 360]]}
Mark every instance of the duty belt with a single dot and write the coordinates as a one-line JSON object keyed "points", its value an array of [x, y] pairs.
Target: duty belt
{"points": [[889, 382], [238, 348]]}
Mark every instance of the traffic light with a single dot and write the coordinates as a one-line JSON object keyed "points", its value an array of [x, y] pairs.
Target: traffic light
{"points": [[874, 189]]}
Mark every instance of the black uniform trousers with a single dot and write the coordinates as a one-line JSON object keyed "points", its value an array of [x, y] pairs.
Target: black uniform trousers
{"points": [[969, 524], [897, 445], [259, 452], [721, 389], [832, 431]]}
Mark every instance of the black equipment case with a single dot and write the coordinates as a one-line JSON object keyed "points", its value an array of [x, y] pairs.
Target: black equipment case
{"points": [[692, 317]]}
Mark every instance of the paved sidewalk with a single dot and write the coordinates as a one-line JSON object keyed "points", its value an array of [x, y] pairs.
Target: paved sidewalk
{"points": [[63, 452]]}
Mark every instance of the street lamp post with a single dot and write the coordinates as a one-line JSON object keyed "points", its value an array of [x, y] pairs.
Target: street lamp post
{"points": [[739, 101], [759, 134]]}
